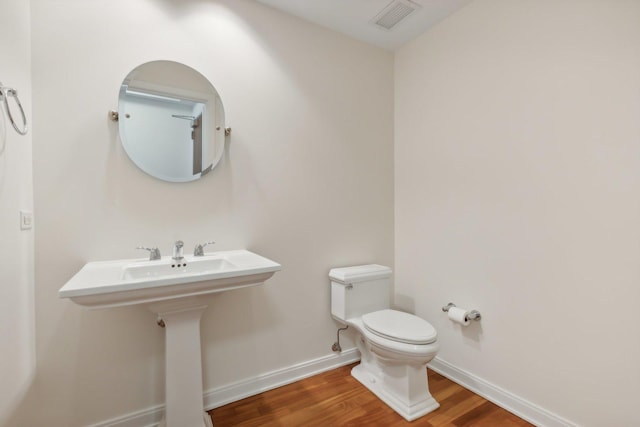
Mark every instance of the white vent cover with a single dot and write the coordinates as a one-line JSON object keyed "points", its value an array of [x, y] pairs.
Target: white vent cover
{"points": [[394, 13]]}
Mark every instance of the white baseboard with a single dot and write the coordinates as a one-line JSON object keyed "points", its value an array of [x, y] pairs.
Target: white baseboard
{"points": [[230, 393], [149, 417], [220, 396], [223, 395], [503, 398]]}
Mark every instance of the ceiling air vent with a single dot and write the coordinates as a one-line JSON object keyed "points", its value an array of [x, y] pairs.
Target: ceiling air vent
{"points": [[394, 13]]}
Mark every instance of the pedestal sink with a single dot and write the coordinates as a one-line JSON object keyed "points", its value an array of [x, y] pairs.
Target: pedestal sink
{"points": [[177, 293]]}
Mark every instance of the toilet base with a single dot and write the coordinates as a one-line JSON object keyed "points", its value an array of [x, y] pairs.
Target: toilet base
{"points": [[403, 387]]}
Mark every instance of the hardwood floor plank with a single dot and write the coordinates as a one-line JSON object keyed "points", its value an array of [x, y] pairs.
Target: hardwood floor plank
{"points": [[336, 399]]}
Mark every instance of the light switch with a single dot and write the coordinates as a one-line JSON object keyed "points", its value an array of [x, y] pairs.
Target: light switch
{"points": [[26, 220]]}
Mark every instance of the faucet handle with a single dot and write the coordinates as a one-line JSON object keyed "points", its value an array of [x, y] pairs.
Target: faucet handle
{"points": [[199, 250], [154, 253]]}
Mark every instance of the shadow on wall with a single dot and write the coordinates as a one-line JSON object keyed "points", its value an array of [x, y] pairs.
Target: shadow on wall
{"points": [[404, 303], [17, 363], [3, 132], [23, 399], [93, 333]]}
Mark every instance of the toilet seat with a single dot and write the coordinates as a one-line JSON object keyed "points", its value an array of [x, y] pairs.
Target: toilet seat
{"points": [[392, 349], [399, 327]]}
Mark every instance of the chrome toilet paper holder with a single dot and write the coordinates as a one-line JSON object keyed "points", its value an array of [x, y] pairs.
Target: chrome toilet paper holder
{"points": [[471, 315]]}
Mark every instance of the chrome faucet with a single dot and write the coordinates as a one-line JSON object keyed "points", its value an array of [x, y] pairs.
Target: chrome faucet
{"points": [[154, 253], [177, 251], [199, 249]]}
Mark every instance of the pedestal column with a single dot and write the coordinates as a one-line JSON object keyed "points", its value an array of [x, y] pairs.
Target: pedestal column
{"points": [[183, 370]]}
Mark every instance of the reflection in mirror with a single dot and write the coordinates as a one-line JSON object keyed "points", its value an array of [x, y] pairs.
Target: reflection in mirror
{"points": [[171, 121]]}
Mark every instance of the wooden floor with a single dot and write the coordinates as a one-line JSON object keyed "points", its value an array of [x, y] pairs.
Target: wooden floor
{"points": [[335, 398]]}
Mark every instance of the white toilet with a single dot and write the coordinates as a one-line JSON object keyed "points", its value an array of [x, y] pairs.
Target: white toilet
{"points": [[395, 347]]}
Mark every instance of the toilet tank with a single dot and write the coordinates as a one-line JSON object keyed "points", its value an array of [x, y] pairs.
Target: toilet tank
{"points": [[359, 290]]}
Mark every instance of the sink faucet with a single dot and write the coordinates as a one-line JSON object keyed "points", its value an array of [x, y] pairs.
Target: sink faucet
{"points": [[199, 249], [177, 251]]}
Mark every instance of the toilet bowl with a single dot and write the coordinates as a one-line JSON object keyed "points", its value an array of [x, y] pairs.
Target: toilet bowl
{"points": [[395, 347]]}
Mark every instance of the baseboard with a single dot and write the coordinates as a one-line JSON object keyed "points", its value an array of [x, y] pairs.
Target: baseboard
{"points": [[149, 417], [220, 396], [522, 408], [230, 393]]}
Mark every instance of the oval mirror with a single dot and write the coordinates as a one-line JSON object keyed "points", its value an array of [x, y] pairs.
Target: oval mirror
{"points": [[171, 121]]}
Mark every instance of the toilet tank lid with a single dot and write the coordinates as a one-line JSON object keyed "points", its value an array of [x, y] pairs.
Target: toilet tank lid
{"points": [[359, 273]]}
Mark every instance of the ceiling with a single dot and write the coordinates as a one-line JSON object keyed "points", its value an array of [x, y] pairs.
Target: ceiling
{"points": [[355, 17]]}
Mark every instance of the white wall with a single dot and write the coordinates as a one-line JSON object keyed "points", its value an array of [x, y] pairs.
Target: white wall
{"points": [[16, 193], [517, 186], [307, 181]]}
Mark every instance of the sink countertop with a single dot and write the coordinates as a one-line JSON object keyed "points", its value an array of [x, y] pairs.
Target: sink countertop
{"points": [[135, 281]]}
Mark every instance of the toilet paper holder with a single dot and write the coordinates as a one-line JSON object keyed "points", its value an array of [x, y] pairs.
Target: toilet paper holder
{"points": [[471, 315]]}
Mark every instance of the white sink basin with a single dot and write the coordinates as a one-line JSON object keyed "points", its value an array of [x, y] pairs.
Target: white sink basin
{"points": [[191, 265], [127, 282]]}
